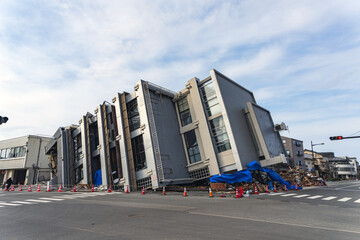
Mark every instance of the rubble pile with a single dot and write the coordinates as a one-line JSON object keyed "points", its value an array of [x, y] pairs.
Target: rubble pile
{"points": [[302, 178]]}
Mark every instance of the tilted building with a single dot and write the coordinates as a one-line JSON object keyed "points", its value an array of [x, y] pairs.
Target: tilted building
{"points": [[154, 137]]}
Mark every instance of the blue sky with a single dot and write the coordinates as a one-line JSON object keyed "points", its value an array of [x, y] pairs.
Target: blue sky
{"points": [[60, 59]]}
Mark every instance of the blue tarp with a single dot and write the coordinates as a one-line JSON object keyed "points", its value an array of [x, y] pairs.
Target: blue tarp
{"points": [[97, 178], [245, 176], [241, 176]]}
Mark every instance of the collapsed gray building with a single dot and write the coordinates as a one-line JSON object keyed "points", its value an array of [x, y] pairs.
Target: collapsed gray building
{"points": [[153, 137]]}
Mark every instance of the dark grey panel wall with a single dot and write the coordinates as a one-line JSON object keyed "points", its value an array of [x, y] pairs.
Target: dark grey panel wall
{"points": [[170, 141], [272, 139], [235, 99]]}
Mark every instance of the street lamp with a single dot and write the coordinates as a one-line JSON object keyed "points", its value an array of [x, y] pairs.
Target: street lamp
{"points": [[312, 152]]}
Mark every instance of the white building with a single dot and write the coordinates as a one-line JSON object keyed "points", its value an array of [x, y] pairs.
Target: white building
{"points": [[24, 160]]}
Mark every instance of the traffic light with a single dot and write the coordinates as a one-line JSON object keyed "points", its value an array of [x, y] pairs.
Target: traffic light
{"points": [[3, 120], [336, 138]]}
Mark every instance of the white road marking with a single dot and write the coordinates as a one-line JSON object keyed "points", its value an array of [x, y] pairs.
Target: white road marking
{"points": [[357, 201], [275, 193], [345, 199], [316, 196], [37, 200], [55, 199], [300, 196], [279, 223], [288, 195], [348, 186], [9, 204], [329, 198], [22, 202]]}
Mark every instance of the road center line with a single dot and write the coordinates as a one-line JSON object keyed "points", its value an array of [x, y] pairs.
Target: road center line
{"points": [[279, 223]]}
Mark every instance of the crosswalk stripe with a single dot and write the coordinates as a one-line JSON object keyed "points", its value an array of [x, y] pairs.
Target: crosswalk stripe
{"points": [[328, 198], [55, 199], [22, 202], [357, 201], [9, 204], [276, 194], [300, 196], [316, 196], [344, 199], [37, 200], [2, 206], [288, 195]]}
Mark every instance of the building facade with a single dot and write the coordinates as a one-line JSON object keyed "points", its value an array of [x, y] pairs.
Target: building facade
{"points": [[24, 160], [154, 137], [294, 153]]}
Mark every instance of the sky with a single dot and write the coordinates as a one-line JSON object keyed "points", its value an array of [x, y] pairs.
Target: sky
{"points": [[60, 59]]}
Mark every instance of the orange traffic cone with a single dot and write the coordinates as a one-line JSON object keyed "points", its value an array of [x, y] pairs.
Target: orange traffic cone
{"points": [[92, 188], [185, 192], [29, 189], [38, 189], [109, 190], [59, 189], [267, 189], [256, 190], [74, 190], [210, 193], [275, 190], [127, 189], [143, 191], [237, 195], [285, 188], [163, 193], [20, 188]]}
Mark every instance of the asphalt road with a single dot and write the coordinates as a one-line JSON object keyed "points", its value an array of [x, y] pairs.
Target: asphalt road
{"points": [[42, 215]]}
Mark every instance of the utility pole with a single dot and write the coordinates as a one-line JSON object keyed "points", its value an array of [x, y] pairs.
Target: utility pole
{"points": [[312, 153]]}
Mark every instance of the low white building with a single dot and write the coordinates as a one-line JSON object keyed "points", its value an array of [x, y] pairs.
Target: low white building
{"points": [[24, 160], [344, 168]]}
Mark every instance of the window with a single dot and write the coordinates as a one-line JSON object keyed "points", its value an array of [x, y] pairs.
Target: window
{"points": [[287, 153], [284, 141], [192, 147], [138, 153], [184, 112], [219, 134], [133, 115], [209, 97]]}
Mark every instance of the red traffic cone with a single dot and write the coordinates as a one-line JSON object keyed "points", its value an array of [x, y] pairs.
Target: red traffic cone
{"points": [[285, 188], [12, 188], [163, 192], [92, 188], [143, 191], [59, 189], [38, 188], [5, 189], [275, 190], [267, 189], [20, 187], [296, 188], [74, 190], [48, 188], [29, 189], [237, 195], [185, 192], [109, 190], [127, 189], [256, 190], [241, 192]]}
